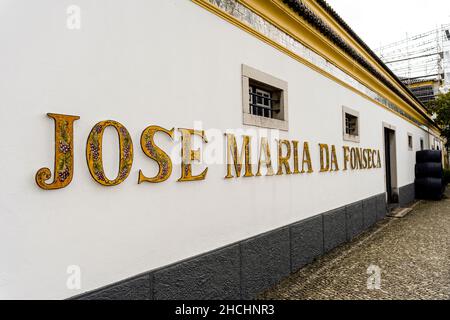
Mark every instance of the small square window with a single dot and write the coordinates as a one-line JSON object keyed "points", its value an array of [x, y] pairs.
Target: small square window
{"points": [[264, 100], [410, 142], [350, 125]]}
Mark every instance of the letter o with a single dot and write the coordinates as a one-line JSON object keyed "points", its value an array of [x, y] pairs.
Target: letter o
{"points": [[94, 153]]}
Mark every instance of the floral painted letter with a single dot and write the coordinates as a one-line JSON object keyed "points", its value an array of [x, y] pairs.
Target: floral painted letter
{"points": [[94, 153], [63, 154]]}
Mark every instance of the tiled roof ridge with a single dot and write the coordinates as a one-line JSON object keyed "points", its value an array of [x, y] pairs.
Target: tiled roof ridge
{"points": [[306, 13]]}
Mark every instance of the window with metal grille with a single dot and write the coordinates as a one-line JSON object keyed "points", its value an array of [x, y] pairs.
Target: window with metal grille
{"points": [[262, 102], [351, 125]]}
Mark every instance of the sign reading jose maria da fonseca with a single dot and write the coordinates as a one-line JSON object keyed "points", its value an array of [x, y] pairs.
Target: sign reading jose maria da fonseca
{"points": [[246, 153]]}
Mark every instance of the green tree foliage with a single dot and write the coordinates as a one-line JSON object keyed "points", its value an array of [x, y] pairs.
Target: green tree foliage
{"points": [[441, 107]]}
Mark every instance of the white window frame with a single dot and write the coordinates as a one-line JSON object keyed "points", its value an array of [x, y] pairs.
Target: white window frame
{"points": [[249, 73], [354, 113]]}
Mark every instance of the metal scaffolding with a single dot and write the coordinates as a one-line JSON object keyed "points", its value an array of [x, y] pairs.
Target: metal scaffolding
{"points": [[420, 57]]}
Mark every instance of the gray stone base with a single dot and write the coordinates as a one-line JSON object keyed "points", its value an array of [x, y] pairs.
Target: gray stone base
{"points": [[407, 195], [245, 269]]}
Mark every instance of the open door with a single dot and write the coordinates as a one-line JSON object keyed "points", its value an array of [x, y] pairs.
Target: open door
{"points": [[390, 166]]}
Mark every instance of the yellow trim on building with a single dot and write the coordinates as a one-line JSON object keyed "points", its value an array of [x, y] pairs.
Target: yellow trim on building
{"points": [[285, 19], [421, 84], [312, 4]]}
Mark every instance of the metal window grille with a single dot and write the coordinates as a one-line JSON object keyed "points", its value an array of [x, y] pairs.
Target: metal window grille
{"points": [[262, 102], [351, 125]]}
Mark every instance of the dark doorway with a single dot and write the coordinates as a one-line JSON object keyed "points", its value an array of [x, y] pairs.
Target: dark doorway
{"points": [[390, 158]]}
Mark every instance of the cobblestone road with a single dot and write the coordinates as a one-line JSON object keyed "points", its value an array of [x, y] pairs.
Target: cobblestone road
{"points": [[413, 254]]}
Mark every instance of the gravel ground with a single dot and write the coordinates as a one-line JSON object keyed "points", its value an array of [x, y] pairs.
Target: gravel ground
{"points": [[413, 254]]}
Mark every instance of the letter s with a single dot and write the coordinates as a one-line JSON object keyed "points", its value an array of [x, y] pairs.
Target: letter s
{"points": [[154, 152]]}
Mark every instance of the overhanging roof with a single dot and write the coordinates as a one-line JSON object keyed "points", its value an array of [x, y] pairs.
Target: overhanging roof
{"points": [[307, 14]]}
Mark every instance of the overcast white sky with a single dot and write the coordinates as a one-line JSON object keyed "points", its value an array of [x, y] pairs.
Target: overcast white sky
{"points": [[380, 22]]}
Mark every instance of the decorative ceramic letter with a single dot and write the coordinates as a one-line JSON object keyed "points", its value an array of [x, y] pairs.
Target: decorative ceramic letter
{"points": [[94, 153], [154, 152], [63, 154], [188, 155]]}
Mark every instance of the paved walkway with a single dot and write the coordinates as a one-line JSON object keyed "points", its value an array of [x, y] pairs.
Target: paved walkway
{"points": [[413, 254]]}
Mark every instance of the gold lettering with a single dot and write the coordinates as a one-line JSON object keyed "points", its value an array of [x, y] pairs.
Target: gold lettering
{"points": [[155, 153], [359, 161], [296, 164], [94, 155], [237, 159], [334, 162], [365, 163], [188, 155], [306, 159], [379, 159], [265, 150], [370, 160], [374, 157], [324, 166], [353, 158], [346, 157], [283, 161], [63, 172]]}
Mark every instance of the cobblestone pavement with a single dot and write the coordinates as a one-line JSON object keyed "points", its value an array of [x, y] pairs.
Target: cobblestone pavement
{"points": [[413, 254]]}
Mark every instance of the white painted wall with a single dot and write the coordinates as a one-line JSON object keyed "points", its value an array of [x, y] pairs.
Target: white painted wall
{"points": [[144, 62]]}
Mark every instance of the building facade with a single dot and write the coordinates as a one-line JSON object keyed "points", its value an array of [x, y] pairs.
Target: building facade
{"points": [[247, 138], [426, 91]]}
